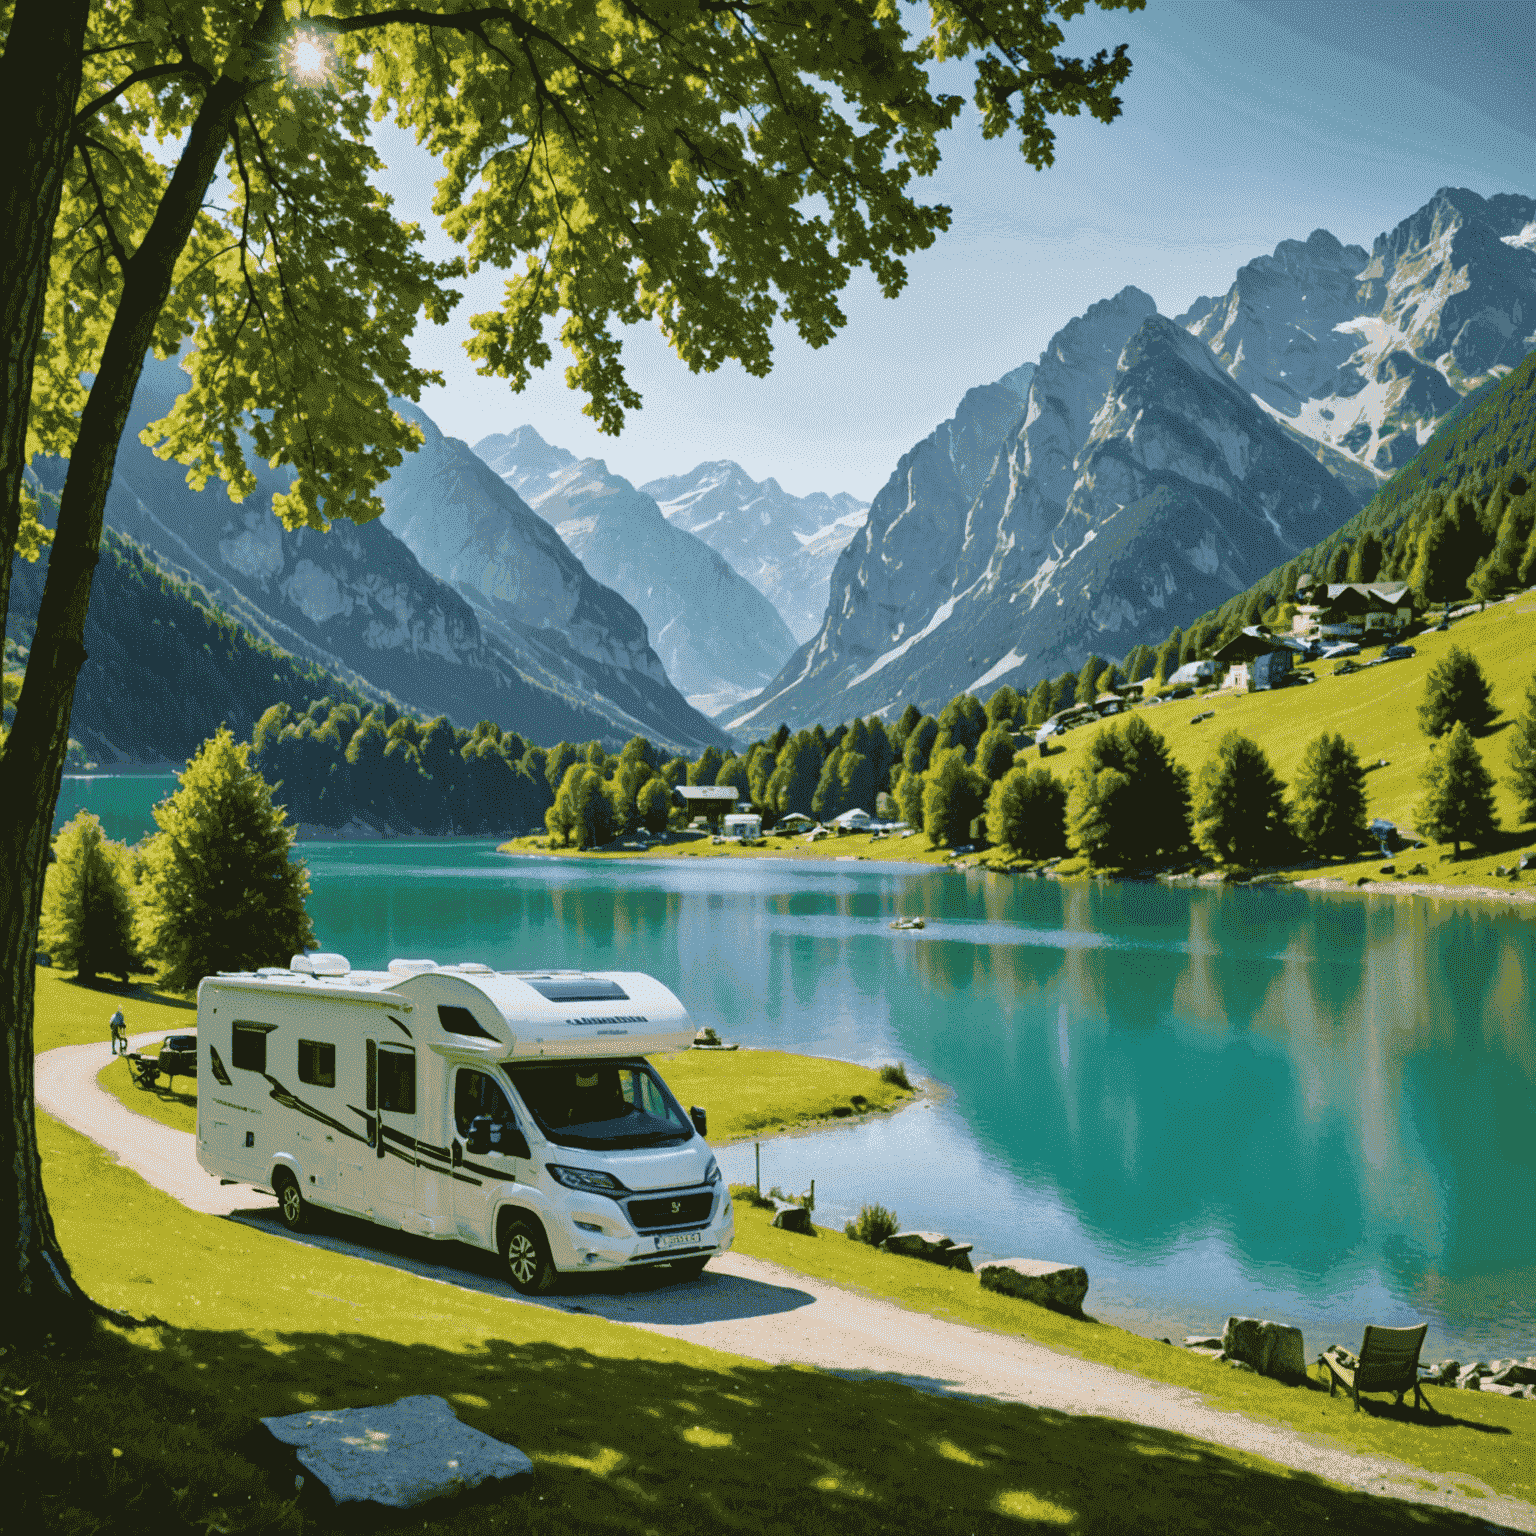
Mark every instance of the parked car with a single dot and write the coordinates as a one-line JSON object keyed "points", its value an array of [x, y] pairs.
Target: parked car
{"points": [[1345, 667], [1398, 652], [178, 1056]]}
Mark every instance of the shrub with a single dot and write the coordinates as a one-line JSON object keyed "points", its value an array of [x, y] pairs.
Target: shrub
{"points": [[872, 1225], [895, 1073]]}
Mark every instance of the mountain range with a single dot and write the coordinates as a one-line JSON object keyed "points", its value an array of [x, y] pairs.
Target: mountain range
{"points": [[718, 636], [1150, 467], [542, 648]]}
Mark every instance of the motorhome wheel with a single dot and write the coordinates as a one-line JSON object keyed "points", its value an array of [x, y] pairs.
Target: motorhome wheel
{"points": [[529, 1265], [292, 1207]]}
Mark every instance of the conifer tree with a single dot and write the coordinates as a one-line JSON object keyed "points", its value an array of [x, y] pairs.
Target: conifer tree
{"points": [[1039, 705], [1456, 689], [220, 892], [1004, 705], [1329, 813], [994, 755], [1458, 794], [1522, 758], [1240, 811], [88, 917]]}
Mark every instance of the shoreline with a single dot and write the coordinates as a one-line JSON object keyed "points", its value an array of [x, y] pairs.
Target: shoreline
{"points": [[1351, 878]]}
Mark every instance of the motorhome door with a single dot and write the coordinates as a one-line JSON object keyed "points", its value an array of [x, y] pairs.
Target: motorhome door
{"points": [[488, 1149], [391, 1175]]}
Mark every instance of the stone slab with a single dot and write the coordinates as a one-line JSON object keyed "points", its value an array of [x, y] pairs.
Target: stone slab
{"points": [[793, 1218], [932, 1247], [1042, 1281], [398, 1454]]}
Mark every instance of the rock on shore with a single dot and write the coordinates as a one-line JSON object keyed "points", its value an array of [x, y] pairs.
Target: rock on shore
{"points": [[1048, 1284]]}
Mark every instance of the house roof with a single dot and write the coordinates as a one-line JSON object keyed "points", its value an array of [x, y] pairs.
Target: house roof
{"points": [[1247, 644], [708, 794]]}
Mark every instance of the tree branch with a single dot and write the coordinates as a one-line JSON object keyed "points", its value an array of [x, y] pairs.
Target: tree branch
{"points": [[185, 66]]}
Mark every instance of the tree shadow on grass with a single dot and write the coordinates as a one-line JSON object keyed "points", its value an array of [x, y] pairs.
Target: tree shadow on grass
{"points": [[628, 1445], [145, 989], [649, 1294]]}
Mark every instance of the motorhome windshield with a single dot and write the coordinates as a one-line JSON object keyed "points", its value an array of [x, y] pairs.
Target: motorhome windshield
{"points": [[601, 1104]]}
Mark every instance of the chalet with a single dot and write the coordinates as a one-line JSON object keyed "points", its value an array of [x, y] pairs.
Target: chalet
{"points": [[855, 820], [1255, 660], [1353, 610], [1194, 674], [712, 801]]}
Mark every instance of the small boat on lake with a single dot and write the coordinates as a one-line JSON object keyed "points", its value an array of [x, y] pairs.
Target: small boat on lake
{"points": [[907, 924]]}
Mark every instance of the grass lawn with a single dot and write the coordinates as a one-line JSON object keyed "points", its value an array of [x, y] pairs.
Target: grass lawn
{"points": [[1484, 1435], [155, 1428], [1376, 709]]}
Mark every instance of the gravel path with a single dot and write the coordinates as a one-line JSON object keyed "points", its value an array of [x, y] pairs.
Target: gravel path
{"points": [[747, 1307]]}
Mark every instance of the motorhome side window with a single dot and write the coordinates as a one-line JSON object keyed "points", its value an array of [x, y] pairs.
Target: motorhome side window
{"points": [[397, 1081], [476, 1094], [317, 1063], [248, 1045]]}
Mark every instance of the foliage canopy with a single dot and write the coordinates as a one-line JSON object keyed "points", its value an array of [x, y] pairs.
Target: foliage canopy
{"points": [[87, 922]]}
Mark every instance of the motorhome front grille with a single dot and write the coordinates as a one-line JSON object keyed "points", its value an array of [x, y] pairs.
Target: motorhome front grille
{"points": [[671, 1211]]}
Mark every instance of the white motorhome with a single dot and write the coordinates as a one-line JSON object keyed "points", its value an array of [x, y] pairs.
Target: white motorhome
{"points": [[514, 1110]]}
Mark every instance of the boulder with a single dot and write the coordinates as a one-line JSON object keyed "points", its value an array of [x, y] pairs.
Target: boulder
{"points": [[1272, 1349], [793, 1218], [1048, 1284], [400, 1454], [932, 1247]]}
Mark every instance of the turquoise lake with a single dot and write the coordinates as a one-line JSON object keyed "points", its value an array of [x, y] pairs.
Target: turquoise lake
{"points": [[1315, 1108]]}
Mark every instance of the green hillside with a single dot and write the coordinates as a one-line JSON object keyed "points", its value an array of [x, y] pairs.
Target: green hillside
{"points": [[166, 666], [1376, 710]]}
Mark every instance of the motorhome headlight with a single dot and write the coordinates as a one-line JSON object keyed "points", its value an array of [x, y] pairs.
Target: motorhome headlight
{"points": [[588, 1179], [712, 1173]]}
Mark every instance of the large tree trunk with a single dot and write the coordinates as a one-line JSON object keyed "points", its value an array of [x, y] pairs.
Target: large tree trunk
{"points": [[37, 1294], [39, 82]]}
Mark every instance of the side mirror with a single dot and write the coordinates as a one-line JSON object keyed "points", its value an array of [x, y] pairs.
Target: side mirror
{"points": [[700, 1120], [479, 1139]]}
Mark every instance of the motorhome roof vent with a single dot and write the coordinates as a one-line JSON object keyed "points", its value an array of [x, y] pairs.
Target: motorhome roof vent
{"points": [[320, 965], [411, 967], [469, 968]]}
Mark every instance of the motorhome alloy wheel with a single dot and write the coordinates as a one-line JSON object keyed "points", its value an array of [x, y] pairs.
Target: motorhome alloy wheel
{"points": [[529, 1266], [292, 1207]]}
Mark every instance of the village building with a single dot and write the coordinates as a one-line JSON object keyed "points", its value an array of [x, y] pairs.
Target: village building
{"points": [[711, 801], [1353, 610], [1255, 660]]}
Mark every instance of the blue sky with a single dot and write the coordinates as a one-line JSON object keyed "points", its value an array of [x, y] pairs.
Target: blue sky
{"points": [[1245, 122]]}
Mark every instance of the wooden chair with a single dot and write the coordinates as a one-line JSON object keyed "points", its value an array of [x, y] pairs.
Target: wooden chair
{"points": [[1389, 1362]]}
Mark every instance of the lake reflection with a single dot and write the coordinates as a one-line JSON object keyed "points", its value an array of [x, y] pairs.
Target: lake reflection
{"points": [[1318, 1108]]}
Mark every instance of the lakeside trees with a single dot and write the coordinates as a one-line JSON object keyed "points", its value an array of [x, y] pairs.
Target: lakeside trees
{"points": [[1240, 812], [1329, 813], [1522, 757], [1458, 794], [1129, 803], [219, 891], [87, 922], [1027, 811]]}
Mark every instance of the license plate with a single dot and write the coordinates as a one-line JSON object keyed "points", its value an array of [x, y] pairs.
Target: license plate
{"points": [[678, 1240]]}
